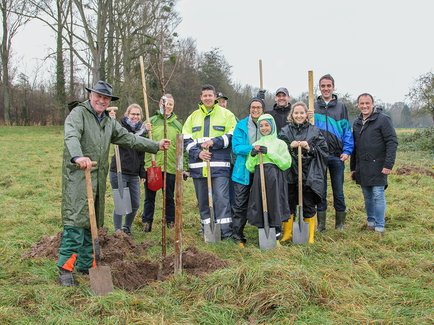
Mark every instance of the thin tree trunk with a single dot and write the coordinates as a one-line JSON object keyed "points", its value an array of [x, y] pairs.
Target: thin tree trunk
{"points": [[5, 66], [60, 65]]}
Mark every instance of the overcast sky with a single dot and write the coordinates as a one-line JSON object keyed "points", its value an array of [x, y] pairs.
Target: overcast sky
{"points": [[376, 46]]}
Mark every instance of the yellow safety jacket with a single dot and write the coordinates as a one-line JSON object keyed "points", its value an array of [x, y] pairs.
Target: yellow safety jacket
{"points": [[217, 124]]}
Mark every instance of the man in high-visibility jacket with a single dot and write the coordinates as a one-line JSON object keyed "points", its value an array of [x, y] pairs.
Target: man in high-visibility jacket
{"points": [[207, 136]]}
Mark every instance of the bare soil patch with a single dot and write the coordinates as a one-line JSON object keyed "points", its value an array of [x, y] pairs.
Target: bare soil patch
{"points": [[127, 260], [409, 170]]}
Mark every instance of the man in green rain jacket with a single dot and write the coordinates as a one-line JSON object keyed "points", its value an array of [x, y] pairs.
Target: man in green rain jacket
{"points": [[88, 134]]}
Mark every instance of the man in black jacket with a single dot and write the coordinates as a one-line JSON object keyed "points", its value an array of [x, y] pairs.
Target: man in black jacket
{"points": [[373, 158], [281, 108]]}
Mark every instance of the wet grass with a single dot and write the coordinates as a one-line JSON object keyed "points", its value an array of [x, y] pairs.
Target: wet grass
{"points": [[351, 277]]}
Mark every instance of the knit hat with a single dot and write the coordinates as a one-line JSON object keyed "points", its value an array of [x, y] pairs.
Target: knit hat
{"points": [[257, 99]]}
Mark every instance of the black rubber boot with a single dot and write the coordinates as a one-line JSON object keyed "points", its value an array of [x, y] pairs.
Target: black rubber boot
{"points": [[170, 224], [340, 220], [65, 278], [321, 216], [147, 226], [126, 230]]}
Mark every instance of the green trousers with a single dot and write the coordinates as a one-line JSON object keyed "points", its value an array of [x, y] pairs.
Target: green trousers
{"points": [[75, 249]]}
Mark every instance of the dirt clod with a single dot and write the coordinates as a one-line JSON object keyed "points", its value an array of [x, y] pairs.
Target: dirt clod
{"points": [[409, 170], [130, 268]]}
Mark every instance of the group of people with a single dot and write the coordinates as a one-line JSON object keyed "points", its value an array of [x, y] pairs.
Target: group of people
{"points": [[235, 150]]}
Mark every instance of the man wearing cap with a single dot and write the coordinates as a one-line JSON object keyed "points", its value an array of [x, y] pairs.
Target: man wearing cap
{"points": [[207, 137], [88, 133], [281, 108], [331, 117], [222, 100]]}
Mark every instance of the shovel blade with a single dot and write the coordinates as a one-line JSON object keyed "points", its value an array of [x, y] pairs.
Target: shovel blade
{"points": [[267, 242], [101, 281], [212, 234], [122, 202], [300, 232]]}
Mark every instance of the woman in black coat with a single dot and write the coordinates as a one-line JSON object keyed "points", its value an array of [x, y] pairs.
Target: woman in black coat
{"points": [[373, 158], [132, 163], [299, 132]]}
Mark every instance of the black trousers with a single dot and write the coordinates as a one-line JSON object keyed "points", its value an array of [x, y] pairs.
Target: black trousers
{"points": [[239, 210], [149, 208], [310, 200]]}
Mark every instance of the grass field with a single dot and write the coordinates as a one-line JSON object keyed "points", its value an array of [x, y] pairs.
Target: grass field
{"points": [[351, 277]]}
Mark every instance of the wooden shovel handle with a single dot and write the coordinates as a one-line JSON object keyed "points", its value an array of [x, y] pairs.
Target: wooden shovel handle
{"points": [[311, 96], [263, 187], [145, 99], [91, 205], [300, 177]]}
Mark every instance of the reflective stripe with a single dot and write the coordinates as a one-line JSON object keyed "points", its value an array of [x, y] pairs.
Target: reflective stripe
{"points": [[69, 264], [225, 140], [224, 220], [195, 142], [203, 139], [220, 221], [212, 164], [190, 145]]}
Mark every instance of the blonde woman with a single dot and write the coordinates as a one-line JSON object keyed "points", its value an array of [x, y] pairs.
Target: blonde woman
{"points": [[133, 171]]}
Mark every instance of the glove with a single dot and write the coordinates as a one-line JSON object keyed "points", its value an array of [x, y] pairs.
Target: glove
{"points": [[263, 149], [261, 94], [253, 153]]}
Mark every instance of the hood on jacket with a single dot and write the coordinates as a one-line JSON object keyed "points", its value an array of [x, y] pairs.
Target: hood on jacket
{"points": [[272, 123]]}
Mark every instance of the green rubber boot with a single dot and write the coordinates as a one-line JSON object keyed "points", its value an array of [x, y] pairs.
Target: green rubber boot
{"points": [[340, 220], [321, 216]]}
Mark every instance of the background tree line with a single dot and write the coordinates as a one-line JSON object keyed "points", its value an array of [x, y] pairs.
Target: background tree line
{"points": [[103, 39]]}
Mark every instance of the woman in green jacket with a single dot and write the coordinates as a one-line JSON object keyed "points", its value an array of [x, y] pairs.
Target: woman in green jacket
{"points": [[276, 160], [174, 127]]}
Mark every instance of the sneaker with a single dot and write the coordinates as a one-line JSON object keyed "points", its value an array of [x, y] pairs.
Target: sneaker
{"points": [[65, 278]]}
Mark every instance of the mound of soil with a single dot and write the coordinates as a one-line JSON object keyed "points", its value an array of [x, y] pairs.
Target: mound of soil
{"points": [[409, 170], [130, 269]]}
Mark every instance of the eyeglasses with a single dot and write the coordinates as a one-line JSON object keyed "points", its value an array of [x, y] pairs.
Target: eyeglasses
{"points": [[135, 114]]}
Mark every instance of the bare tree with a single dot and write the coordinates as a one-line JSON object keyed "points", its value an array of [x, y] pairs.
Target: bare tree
{"points": [[11, 23], [422, 93]]}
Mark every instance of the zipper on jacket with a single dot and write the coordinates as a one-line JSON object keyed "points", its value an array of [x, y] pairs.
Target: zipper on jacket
{"points": [[206, 126]]}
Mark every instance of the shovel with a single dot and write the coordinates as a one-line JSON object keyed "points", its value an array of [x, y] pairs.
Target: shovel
{"points": [[267, 235], [300, 229], [212, 232], [100, 276], [154, 176], [121, 195]]}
